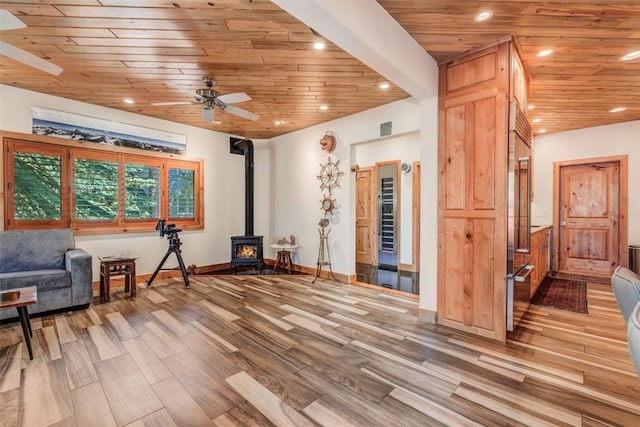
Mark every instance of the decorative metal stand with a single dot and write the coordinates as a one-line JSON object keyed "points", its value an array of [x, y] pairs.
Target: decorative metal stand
{"points": [[324, 258]]}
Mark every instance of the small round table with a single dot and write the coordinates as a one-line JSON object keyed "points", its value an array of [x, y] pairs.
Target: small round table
{"points": [[283, 260]]}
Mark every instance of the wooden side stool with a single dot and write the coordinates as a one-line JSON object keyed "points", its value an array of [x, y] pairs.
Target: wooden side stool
{"points": [[283, 260], [109, 268]]}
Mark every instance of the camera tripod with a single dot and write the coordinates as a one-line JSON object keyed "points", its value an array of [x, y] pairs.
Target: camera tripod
{"points": [[174, 246]]}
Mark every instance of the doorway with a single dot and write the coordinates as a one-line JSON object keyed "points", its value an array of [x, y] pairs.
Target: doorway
{"points": [[590, 215], [382, 211]]}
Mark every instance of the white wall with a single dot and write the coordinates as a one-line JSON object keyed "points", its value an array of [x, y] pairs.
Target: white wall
{"points": [[405, 148], [297, 159], [601, 141], [224, 184]]}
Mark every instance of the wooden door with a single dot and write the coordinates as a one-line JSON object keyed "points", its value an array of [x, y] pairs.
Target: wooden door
{"points": [[365, 217], [589, 218]]}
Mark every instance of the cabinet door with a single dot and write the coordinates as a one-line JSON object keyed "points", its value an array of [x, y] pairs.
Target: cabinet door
{"points": [[472, 199]]}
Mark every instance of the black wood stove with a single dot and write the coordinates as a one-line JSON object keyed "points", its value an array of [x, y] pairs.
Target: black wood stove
{"points": [[246, 251]]}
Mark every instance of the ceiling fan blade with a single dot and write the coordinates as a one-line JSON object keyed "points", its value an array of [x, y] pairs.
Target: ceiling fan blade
{"points": [[161, 104], [183, 90], [241, 113], [232, 98], [8, 21], [207, 114], [29, 59]]}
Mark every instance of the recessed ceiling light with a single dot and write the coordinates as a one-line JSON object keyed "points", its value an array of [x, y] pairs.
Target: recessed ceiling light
{"points": [[384, 85], [483, 16], [319, 45], [278, 122], [324, 107], [617, 109], [128, 101], [545, 52], [537, 120], [531, 107], [542, 131], [632, 55]]}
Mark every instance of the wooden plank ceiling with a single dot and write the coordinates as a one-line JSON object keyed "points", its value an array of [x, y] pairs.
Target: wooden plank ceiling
{"points": [[149, 50], [575, 86]]}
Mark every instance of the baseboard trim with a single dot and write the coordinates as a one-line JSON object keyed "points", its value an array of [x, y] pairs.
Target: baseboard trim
{"points": [[428, 316]]}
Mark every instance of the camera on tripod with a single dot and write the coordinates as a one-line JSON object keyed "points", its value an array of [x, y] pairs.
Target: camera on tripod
{"points": [[165, 228], [174, 247]]}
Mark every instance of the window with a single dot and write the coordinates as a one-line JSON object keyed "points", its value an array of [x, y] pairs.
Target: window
{"points": [[109, 190], [142, 191]]}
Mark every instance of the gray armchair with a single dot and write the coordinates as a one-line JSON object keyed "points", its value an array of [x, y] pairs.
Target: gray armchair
{"points": [[49, 260], [633, 335], [626, 288]]}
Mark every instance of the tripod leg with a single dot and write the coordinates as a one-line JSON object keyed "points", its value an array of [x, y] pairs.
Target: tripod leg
{"points": [[155, 273], [185, 276]]}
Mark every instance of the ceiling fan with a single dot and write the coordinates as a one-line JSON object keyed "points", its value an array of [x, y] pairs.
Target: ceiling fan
{"points": [[211, 98], [9, 22]]}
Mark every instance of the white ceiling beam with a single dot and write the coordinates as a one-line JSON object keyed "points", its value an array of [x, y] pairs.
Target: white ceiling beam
{"points": [[366, 31]]}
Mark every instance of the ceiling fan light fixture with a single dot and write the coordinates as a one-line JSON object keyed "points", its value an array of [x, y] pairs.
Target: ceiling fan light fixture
{"points": [[207, 114], [483, 16], [631, 55]]}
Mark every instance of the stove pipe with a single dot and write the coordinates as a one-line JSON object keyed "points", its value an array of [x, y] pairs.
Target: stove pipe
{"points": [[245, 146]]}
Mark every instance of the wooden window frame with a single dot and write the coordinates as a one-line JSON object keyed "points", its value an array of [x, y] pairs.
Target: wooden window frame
{"points": [[69, 151]]}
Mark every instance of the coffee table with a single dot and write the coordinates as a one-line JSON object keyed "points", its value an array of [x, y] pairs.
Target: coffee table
{"points": [[28, 296]]}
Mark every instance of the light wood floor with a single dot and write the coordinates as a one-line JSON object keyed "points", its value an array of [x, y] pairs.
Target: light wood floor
{"points": [[277, 350]]}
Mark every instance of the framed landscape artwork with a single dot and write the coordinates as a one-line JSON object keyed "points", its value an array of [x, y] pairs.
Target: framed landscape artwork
{"points": [[65, 125]]}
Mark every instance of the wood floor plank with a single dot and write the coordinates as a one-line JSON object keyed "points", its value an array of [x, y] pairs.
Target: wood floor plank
{"points": [[171, 323], [149, 364], [159, 418], [129, 394], [161, 342], [180, 405], [325, 415], [91, 407], [65, 332], [270, 405], [121, 326], [101, 346], [45, 397], [10, 365], [78, 364], [203, 383]]}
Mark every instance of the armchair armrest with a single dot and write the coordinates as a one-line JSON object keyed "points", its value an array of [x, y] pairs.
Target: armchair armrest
{"points": [[79, 264]]}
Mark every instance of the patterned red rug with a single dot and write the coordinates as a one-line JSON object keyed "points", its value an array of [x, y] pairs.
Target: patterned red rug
{"points": [[570, 295]]}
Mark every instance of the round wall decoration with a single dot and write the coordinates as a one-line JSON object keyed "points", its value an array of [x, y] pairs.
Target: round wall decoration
{"points": [[328, 203], [330, 175]]}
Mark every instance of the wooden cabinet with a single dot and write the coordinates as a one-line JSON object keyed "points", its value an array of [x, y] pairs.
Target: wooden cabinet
{"points": [[472, 206], [539, 257]]}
